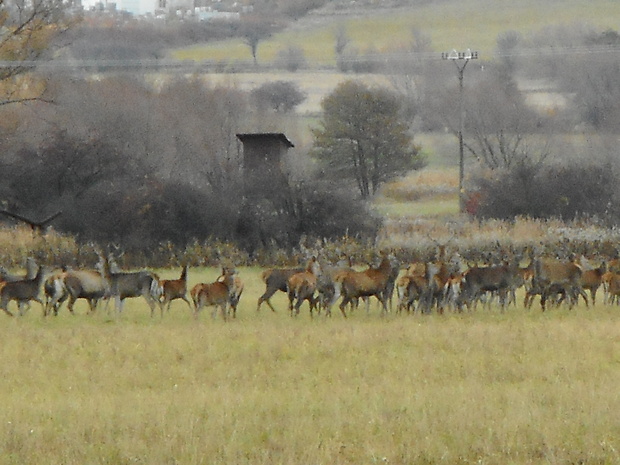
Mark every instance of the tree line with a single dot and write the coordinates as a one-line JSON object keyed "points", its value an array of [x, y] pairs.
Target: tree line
{"points": [[136, 162]]}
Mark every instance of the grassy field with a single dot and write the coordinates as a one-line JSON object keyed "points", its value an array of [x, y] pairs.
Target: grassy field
{"points": [[520, 387], [450, 24]]}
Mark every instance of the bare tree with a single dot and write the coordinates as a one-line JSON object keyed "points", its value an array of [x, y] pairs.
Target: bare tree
{"points": [[27, 31]]}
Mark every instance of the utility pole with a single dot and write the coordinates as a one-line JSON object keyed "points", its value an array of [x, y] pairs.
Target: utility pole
{"points": [[461, 59]]}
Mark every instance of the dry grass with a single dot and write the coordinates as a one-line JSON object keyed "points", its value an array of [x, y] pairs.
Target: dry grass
{"points": [[427, 183], [513, 388]]}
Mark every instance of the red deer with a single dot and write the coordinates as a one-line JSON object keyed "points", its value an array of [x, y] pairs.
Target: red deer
{"points": [[553, 276], [352, 285], [325, 284], [23, 291], [522, 279], [410, 286], [592, 279], [437, 276], [611, 285], [235, 293], [275, 280], [494, 279], [72, 285], [173, 289], [452, 290], [302, 286], [127, 284], [217, 294]]}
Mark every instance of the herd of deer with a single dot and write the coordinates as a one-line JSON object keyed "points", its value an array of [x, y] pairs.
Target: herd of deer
{"points": [[106, 282], [443, 283]]}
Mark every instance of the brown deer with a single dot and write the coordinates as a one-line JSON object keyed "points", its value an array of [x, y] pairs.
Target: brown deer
{"points": [[553, 276], [217, 294], [275, 280], [352, 285], [173, 289], [494, 279], [23, 291], [302, 286], [71, 285], [592, 279], [410, 286], [611, 286]]}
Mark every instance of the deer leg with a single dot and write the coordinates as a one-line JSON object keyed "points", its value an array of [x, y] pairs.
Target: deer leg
{"points": [[3, 306], [345, 301], [265, 298], [70, 305], [119, 303], [585, 297]]}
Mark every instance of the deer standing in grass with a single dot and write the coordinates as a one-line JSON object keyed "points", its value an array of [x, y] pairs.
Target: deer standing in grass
{"points": [[410, 286], [130, 284], [71, 285], [553, 276], [23, 291], [326, 288], [175, 289], [302, 286], [235, 294], [592, 279], [275, 280], [217, 294], [352, 285]]}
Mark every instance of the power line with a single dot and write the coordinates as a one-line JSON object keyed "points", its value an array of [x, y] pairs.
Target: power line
{"points": [[169, 63]]}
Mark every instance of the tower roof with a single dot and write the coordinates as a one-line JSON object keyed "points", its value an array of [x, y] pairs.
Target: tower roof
{"points": [[265, 135]]}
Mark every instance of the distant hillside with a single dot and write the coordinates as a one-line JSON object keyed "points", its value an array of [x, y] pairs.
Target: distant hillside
{"points": [[384, 25]]}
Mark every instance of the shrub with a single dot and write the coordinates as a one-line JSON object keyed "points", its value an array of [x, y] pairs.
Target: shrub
{"points": [[565, 192]]}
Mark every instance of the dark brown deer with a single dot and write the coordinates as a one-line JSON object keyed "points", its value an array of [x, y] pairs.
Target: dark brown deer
{"points": [[275, 280], [23, 291], [217, 294], [175, 289], [492, 279], [302, 286], [352, 285], [130, 284]]}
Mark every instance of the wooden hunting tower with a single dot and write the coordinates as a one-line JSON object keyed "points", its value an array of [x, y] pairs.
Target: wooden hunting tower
{"points": [[262, 160], [263, 151]]}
